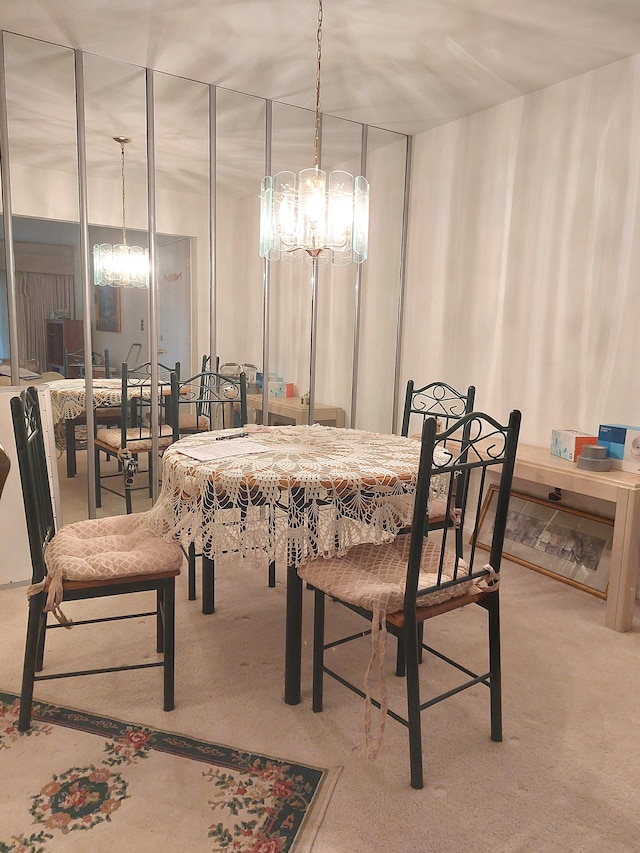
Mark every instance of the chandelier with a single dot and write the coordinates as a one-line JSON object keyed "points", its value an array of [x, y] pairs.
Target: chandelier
{"points": [[121, 265], [314, 214]]}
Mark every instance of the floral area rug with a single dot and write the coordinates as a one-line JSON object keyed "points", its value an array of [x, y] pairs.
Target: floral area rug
{"points": [[81, 782]]}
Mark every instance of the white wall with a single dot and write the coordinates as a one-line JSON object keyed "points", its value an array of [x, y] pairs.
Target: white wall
{"points": [[524, 253]]}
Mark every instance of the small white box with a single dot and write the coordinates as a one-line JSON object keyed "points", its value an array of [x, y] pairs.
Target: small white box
{"points": [[568, 443]]}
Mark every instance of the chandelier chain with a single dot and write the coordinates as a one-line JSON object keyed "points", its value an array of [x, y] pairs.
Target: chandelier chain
{"points": [[318, 68], [124, 207]]}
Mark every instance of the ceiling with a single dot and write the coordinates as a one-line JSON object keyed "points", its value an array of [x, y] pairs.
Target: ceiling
{"points": [[403, 65]]}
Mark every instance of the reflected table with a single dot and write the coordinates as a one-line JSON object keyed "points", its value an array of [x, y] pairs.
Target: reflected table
{"points": [[287, 492], [69, 403]]}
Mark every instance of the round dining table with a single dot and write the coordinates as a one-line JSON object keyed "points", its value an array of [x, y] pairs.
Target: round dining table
{"points": [[287, 492]]}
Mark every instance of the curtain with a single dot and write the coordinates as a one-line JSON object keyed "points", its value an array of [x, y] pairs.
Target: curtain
{"points": [[38, 295]]}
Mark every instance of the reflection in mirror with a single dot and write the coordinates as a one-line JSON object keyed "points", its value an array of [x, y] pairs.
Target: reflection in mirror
{"points": [[43, 166], [386, 168], [181, 117], [43, 159], [290, 327], [43, 185], [115, 105], [341, 150], [240, 140]]}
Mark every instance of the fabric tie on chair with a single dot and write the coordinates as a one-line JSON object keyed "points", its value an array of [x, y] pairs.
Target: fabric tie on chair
{"points": [[373, 577], [100, 549]]}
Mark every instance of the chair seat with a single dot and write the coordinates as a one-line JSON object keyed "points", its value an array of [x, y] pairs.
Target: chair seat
{"points": [[194, 423], [138, 441], [105, 550], [373, 576]]}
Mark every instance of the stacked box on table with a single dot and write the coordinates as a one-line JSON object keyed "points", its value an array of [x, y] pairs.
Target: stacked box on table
{"points": [[623, 445], [568, 443]]}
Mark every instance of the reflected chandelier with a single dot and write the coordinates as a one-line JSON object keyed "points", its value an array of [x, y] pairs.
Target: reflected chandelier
{"points": [[323, 217], [121, 265]]}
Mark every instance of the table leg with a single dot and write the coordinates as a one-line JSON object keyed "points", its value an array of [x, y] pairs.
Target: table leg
{"points": [[625, 555], [293, 641], [293, 632], [70, 443]]}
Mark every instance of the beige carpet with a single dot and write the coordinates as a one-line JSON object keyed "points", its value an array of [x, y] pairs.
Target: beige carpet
{"points": [[565, 779]]}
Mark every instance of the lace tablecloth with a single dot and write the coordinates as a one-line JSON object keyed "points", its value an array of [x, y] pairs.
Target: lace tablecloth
{"points": [[314, 490], [69, 396]]}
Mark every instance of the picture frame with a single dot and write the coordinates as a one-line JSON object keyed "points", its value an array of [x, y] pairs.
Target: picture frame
{"points": [[107, 302], [568, 544]]}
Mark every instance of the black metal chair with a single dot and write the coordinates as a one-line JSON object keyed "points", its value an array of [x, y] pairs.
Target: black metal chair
{"points": [[204, 402], [134, 436], [435, 400], [75, 363], [88, 559], [399, 585]]}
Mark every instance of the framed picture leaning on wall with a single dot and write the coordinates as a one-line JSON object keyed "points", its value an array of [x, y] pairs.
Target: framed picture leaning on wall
{"points": [[567, 544], [107, 300]]}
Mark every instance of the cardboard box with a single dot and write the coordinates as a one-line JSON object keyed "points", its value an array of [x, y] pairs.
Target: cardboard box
{"points": [[568, 443], [277, 388], [623, 446]]}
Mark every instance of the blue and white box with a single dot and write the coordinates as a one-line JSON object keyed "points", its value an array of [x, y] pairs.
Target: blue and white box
{"points": [[623, 446]]}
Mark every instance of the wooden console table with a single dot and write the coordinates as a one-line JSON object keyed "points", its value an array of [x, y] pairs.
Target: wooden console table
{"points": [[289, 410], [538, 465]]}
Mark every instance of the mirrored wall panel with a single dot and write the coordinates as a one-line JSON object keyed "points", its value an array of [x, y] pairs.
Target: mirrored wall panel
{"points": [[215, 296]]}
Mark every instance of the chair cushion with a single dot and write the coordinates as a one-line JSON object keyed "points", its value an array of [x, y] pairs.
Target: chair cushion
{"points": [[194, 423], [373, 576], [138, 440], [103, 549]]}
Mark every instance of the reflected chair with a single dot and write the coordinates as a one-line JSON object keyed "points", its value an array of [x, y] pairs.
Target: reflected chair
{"points": [[74, 367], [400, 585], [204, 402], [74, 364], [134, 436], [133, 356], [88, 559]]}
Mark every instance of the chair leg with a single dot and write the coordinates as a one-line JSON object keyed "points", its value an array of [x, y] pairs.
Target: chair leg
{"points": [[41, 640], [160, 620], [208, 585], [318, 649], [70, 445], [169, 618], [400, 659], [191, 570], [150, 467], [96, 465], [272, 531], [495, 685], [413, 705], [31, 653], [400, 662]]}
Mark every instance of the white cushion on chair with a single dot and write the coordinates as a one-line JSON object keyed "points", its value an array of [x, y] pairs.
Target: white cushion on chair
{"points": [[106, 548], [138, 441], [103, 549], [200, 423], [373, 576]]}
